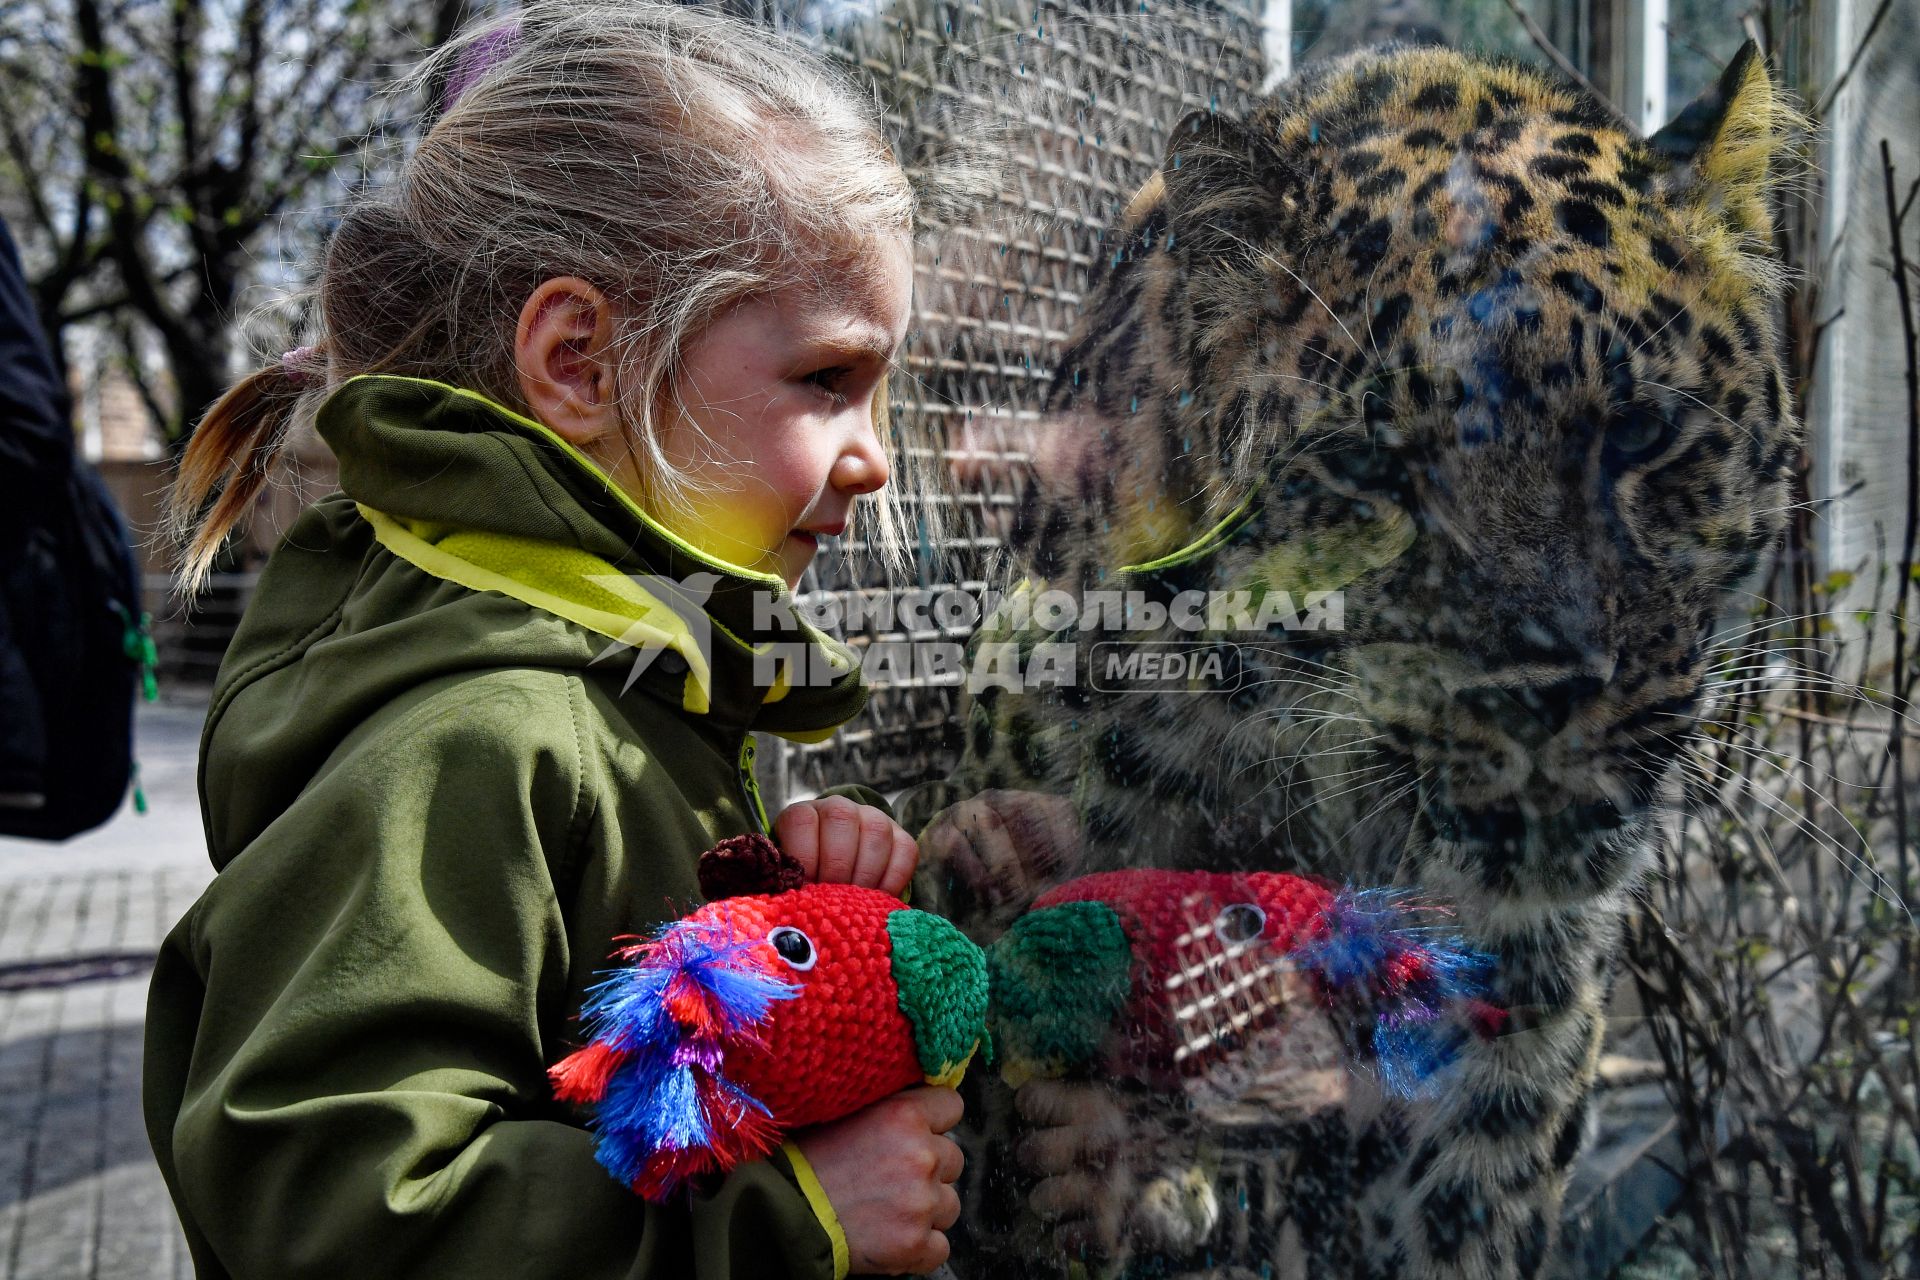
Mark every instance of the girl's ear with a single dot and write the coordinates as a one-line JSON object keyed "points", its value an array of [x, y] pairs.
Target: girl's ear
{"points": [[749, 864], [562, 349]]}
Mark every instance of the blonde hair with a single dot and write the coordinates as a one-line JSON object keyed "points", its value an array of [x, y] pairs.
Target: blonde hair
{"points": [[681, 160]]}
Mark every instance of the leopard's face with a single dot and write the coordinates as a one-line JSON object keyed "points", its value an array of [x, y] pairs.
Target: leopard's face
{"points": [[1502, 375]]}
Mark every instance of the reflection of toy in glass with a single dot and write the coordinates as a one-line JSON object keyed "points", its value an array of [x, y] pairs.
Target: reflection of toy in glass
{"points": [[778, 1005], [1155, 975]]}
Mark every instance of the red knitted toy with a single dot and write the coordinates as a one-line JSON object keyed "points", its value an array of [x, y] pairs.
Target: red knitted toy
{"points": [[1153, 975], [767, 1011]]}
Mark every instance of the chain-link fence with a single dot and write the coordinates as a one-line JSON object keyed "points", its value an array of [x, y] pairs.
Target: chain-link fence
{"points": [[1075, 102]]}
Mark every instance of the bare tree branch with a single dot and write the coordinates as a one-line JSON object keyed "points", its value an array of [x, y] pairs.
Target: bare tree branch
{"points": [[1821, 107], [186, 140], [1546, 46], [135, 368]]}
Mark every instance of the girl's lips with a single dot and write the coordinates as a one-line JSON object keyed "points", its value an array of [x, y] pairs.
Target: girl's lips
{"points": [[814, 535]]}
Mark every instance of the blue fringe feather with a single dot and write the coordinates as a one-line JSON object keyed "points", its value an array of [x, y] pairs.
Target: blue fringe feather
{"points": [[1414, 1037], [652, 1103]]}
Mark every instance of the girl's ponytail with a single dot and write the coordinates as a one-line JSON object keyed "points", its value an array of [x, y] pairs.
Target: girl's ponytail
{"points": [[230, 460]]}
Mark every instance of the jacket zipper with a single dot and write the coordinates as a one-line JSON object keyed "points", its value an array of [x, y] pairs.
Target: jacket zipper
{"points": [[750, 785]]}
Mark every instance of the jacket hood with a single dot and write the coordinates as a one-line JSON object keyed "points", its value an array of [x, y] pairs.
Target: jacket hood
{"points": [[506, 548], [488, 488]]}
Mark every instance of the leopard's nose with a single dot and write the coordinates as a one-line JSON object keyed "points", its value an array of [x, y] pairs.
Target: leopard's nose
{"points": [[1530, 713]]}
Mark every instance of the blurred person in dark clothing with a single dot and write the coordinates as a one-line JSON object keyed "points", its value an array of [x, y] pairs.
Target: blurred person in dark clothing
{"points": [[72, 635]]}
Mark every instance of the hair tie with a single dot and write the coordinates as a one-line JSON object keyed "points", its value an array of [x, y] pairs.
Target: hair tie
{"points": [[297, 366]]}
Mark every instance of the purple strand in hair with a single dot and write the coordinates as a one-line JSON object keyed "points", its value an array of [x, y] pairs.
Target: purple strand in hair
{"points": [[478, 58]]}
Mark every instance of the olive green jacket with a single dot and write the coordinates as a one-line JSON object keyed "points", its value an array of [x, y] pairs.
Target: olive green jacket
{"points": [[433, 802]]}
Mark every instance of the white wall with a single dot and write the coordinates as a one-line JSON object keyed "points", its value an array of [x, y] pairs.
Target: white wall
{"points": [[1858, 414]]}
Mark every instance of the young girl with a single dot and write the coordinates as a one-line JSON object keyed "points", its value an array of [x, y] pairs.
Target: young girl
{"points": [[620, 323]]}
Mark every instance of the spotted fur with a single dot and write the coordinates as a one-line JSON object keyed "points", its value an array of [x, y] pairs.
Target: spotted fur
{"points": [[1443, 336]]}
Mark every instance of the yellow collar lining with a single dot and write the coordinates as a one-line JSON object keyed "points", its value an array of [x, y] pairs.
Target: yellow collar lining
{"points": [[564, 581]]}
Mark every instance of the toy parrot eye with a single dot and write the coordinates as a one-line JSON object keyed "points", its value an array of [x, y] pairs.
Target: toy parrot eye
{"points": [[1240, 922], [794, 947]]}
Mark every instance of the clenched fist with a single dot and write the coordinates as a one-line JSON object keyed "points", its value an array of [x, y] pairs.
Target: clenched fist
{"points": [[840, 842], [889, 1172], [1108, 1182]]}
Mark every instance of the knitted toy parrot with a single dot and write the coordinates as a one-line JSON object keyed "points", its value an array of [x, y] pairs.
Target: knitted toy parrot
{"points": [[777, 1005], [1153, 975]]}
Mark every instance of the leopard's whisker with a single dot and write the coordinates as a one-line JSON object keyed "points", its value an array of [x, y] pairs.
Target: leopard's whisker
{"points": [[1349, 790], [1798, 762], [1274, 260], [1382, 805], [1772, 759], [1314, 687], [1879, 885], [1299, 752], [1688, 395], [1751, 626]]}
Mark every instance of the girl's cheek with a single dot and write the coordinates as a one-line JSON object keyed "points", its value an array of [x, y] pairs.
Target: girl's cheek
{"points": [[799, 457]]}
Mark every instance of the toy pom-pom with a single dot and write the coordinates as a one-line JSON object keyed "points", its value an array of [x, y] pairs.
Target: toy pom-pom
{"points": [[1411, 1052], [748, 864], [1412, 978], [660, 1029]]}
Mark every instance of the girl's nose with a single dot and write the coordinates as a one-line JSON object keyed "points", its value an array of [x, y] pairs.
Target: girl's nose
{"points": [[862, 465]]}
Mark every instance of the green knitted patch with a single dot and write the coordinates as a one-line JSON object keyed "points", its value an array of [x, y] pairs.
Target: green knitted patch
{"points": [[942, 978], [1060, 978]]}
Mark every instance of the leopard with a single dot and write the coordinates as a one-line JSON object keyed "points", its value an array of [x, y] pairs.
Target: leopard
{"points": [[1437, 414]]}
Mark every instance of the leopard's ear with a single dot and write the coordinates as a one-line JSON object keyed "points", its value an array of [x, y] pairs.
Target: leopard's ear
{"points": [[1224, 186], [749, 864], [1721, 152]]}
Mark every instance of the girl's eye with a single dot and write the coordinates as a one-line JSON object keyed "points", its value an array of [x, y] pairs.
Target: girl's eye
{"points": [[1240, 922], [794, 947], [833, 380]]}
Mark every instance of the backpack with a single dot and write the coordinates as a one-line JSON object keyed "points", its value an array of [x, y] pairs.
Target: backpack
{"points": [[73, 638]]}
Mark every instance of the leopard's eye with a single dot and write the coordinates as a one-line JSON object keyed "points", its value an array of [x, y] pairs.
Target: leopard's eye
{"points": [[1369, 468], [1636, 436], [794, 947], [1240, 922]]}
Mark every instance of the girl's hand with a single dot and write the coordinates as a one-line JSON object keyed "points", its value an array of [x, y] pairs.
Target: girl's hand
{"points": [[991, 855], [889, 1172], [1112, 1182], [840, 842]]}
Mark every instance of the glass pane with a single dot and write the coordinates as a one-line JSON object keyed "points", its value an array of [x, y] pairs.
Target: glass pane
{"points": [[1375, 486]]}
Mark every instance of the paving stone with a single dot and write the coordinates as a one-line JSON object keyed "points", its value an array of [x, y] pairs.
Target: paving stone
{"points": [[51, 1237], [63, 920], [16, 1116], [80, 1195], [113, 893], [13, 911], [26, 915], [26, 1014], [140, 1239]]}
